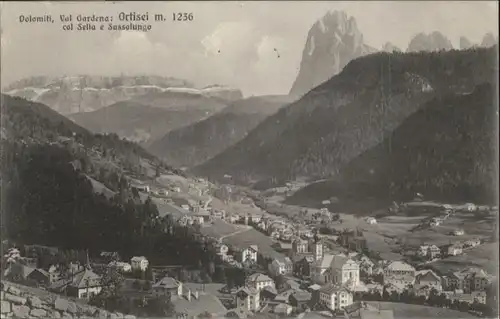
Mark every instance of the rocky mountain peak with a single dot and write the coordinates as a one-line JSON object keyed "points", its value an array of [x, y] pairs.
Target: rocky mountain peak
{"points": [[389, 47], [488, 40], [332, 42], [434, 41], [465, 43]]}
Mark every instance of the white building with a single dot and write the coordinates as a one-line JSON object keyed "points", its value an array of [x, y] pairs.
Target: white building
{"points": [[139, 263], [335, 297], [336, 269], [454, 250], [259, 281], [371, 220]]}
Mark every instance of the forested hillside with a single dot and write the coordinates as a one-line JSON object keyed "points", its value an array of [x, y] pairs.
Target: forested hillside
{"points": [[349, 114], [48, 199], [192, 145], [446, 150]]}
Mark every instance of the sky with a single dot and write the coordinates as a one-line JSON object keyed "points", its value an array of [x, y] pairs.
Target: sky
{"points": [[228, 43]]}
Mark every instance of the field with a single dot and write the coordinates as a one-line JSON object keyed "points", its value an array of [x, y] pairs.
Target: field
{"points": [[254, 237], [403, 311], [219, 229]]}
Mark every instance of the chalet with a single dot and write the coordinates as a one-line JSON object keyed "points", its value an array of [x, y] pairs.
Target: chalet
{"points": [[371, 220], [139, 263], [234, 218], [259, 281]]}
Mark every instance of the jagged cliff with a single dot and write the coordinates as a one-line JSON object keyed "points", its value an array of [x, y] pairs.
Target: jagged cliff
{"points": [[331, 43]]}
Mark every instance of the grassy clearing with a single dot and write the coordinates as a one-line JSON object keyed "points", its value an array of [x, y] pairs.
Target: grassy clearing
{"points": [[218, 229], [254, 237]]}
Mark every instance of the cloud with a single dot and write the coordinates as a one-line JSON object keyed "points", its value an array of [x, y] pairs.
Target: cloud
{"points": [[228, 43]]}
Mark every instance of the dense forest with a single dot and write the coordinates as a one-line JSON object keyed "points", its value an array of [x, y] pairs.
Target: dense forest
{"points": [[445, 150], [349, 114]]}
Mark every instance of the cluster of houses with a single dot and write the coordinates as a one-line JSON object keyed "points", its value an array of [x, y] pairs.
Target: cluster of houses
{"points": [[432, 252], [72, 279]]}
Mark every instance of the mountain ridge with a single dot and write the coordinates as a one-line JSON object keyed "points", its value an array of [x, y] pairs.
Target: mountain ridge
{"points": [[339, 119]]}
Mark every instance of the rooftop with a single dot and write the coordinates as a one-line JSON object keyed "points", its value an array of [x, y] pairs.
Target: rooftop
{"points": [[399, 266], [86, 278], [167, 282], [258, 277]]}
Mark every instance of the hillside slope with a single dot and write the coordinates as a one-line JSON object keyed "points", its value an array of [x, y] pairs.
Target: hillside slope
{"points": [[446, 150], [149, 117], [194, 144], [338, 120]]}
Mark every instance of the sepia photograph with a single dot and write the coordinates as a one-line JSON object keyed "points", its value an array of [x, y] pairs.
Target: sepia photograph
{"points": [[249, 159]]}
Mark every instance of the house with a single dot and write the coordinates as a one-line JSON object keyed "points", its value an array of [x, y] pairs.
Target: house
{"points": [[371, 220], [84, 284], [434, 252], [167, 286], [16, 271], [472, 243], [120, 266], [458, 232], [259, 281], [428, 278], [54, 273], [335, 297], [39, 276], [476, 279], [201, 216], [234, 218], [470, 207], [139, 263], [247, 299], [283, 309], [248, 254], [398, 272], [301, 300], [454, 250], [281, 267]]}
